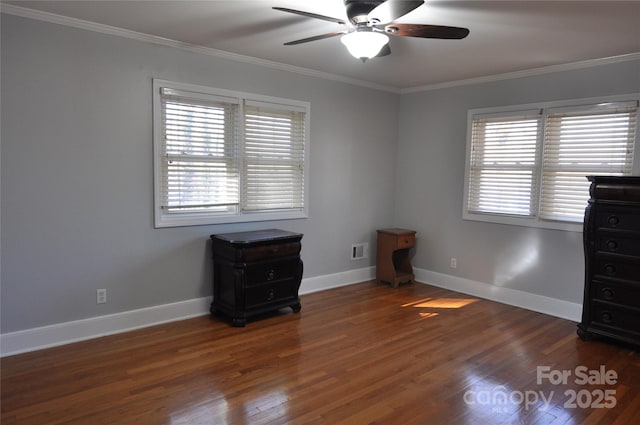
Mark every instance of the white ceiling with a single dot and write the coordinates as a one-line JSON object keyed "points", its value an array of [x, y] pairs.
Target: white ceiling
{"points": [[505, 36]]}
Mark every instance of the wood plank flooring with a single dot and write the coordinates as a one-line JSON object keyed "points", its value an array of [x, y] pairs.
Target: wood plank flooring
{"points": [[361, 354]]}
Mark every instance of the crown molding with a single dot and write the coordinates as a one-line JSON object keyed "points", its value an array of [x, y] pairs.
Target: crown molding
{"points": [[134, 35], [525, 73]]}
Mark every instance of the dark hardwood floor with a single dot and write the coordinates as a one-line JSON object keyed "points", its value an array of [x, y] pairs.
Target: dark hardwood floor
{"points": [[361, 354]]}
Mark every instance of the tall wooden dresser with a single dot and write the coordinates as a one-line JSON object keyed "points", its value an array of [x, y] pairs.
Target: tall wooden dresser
{"points": [[255, 272], [611, 305]]}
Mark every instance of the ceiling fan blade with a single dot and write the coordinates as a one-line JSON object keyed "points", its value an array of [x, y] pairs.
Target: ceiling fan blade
{"points": [[391, 10], [314, 38], [426, 31], [311, 15]]}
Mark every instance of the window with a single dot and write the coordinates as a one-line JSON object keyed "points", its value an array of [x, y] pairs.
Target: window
{"points": [[273, 169], [503, 172], [527, 165], [598, 140], [222, 156]]}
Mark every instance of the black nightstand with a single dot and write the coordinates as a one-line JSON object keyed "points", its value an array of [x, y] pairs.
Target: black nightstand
{"points": [[255, 272]]}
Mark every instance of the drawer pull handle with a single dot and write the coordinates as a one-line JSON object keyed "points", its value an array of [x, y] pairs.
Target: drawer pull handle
{"points": [[610, 269], [271, 295], [607, 293], [606, 317], [612, 245], [271, 274], [613, 220]]}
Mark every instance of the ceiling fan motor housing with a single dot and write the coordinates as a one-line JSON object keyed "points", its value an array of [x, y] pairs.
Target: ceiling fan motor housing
{"points": [[374, 19], [357, 11]]}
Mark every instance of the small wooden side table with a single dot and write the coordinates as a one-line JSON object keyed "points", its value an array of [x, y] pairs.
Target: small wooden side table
{"points": [[392, 259]]}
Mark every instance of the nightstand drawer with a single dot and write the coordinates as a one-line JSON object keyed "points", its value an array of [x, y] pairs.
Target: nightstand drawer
{"points": [[406, 241], [271, 272], [271, 251], [270, 292]]}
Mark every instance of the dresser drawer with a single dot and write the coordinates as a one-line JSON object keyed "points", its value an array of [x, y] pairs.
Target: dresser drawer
{"points": [[615, 292], [618, 189], [615, 316], [619, 218], [272, 271], [618, 267], [270, 293], [618, 243]]}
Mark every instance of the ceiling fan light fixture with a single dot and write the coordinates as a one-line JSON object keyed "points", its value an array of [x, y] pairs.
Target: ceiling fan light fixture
{"points": [[364, 44]]}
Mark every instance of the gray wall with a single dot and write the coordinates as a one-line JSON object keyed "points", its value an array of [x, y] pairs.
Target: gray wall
{"points": [[77, 189], [430, 184], [76, 176]]}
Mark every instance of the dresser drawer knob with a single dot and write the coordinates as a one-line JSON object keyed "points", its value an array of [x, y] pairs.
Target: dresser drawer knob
{"points": [[607, 293], [610, 269], [271, 295], [606, 317], [613, 220], [271, 274], [612, 245]]}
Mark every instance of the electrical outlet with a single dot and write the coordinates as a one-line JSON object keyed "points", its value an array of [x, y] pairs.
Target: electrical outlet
{"points": [[101, 296], [454, 263]]}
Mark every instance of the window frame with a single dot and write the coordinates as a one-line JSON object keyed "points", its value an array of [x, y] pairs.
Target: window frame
{"points": [[535, 220], [162, 218]]}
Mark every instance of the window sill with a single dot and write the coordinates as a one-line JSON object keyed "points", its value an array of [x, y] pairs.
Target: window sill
{"points": [[524, 222], [180, 220]]}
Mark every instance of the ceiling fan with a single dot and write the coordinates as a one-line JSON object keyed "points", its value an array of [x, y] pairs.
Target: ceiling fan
{"points": [[371, 23]]}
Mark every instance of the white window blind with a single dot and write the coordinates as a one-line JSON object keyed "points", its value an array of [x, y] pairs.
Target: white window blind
{"points": [[200, 160], [527, 164], [223, 156], [503, 164], [580, 143], [273, 157]]}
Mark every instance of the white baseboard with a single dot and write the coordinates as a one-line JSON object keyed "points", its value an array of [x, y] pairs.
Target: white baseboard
{"points": [[551, 306], [335, 280], [94, 327]]}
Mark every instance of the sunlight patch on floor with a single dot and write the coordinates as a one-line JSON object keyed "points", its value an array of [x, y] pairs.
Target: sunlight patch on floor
{"points": [[441, 303], [438, 303]]}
